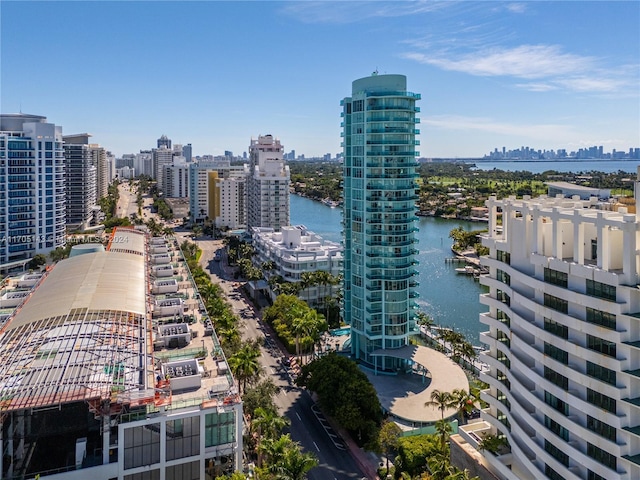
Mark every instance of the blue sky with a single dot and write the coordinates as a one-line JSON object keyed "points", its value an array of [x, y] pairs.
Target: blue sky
{"points": [[215, 74]]}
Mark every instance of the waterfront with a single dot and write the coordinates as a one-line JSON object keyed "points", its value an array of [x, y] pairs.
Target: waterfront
{"points": [[450, 299], [575, 166]]}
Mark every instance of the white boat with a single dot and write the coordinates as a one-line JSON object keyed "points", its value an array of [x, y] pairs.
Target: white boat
{"points": [[467, 270]]}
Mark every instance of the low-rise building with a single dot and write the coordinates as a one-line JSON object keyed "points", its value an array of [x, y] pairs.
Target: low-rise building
{"points": [[295, 250]]}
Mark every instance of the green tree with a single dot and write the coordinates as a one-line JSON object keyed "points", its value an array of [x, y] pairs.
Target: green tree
{"points": [[295, 464], [441, 400], [244, 364], [345, 393], [37, 261], [260, 395], [388, 438], [267, 423]]}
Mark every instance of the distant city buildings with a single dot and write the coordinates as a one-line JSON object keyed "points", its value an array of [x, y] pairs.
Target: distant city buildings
{"points": [[267, 184], [32, 188], [379, 218], [527, 153], [563, 336]]}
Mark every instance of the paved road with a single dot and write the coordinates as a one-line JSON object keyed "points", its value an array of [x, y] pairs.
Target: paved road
{"points": [[307, 425]]}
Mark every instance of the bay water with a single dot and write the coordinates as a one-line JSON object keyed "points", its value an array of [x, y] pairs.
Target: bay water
{"points": [[450, 298]]}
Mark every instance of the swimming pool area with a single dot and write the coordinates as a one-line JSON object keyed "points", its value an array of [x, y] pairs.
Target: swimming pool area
{"points": [[339, 332]]}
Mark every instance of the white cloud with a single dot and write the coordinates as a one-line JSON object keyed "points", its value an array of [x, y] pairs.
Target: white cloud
{"points": [[525, 61], [537, 87], [516, 7], [355, 11], [543, 131]]}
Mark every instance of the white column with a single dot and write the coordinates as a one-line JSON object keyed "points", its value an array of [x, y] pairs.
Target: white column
{"points": [[578, 238], [556, 246], [106, 440], [630, 249]]}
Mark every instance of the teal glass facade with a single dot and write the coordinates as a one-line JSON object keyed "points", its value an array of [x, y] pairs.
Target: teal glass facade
{"points": [[379, 217]]}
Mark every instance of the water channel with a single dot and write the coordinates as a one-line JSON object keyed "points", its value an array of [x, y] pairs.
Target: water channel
{"points": [[451, 299]]}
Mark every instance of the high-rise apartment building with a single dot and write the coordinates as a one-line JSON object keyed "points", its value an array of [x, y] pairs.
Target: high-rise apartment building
{"points": [[211, 184], [32, 187], [100, 161], [563, 339], [161, 157], [187, 152], [81, 181], [267, 184], [379, 130], [177, 179], [163, 141]]}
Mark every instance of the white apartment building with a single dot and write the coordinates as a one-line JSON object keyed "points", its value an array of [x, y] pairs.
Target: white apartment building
{"points": [[267, 185], [229, 199], [143, 163], [563, 339], [177, 178], [32, 188], [81, 185], [207, 182], [162, 157], [295, 250]]}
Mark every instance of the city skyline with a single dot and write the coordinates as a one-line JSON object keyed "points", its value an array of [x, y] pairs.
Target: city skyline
{"points": [[217, 74]]}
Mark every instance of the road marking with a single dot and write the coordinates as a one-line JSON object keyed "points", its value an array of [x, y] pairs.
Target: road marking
{"points": [[298, 416], [314, 443]]}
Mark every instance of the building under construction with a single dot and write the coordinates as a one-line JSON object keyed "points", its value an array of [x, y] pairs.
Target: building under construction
{"points": [[110, 369]]}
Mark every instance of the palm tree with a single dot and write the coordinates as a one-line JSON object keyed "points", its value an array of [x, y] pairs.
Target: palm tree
{"points": [[444, 429], [464, 401], [441, 400], [244, 364], [295, 464], [268, 424], [306, 281]]}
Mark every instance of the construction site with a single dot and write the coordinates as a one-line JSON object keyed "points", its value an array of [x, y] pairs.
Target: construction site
{"points": [[110, 369]]}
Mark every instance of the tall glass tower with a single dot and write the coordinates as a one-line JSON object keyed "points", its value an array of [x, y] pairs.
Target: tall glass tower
{"points": [[379, 131]]}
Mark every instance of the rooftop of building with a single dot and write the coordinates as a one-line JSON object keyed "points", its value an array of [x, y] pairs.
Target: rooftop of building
{"points": [[87, 331]]}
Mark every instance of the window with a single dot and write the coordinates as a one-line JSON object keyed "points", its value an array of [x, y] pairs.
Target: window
{"points": [[594, 476], [604, 319], [556, 428], [503, 257], [219, 429], [503, 277], [551, 473], [601, 400], [556, 353], [556, 303], [601, 290], [503, 297], [184, 471], [152, 475], [556, 378], [601, 373], [142, 445], [503, 338], [603, 429], [556, 453], [555, 277], [556, 328], [183, 438], [601, 456], [504, 318], [559, 405], [600, 345]]}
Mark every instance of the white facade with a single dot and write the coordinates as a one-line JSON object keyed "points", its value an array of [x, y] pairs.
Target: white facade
{"points": [[563, 339], [232, 198], [177, 178], [268, 184], [203, 177], [162, 157], [143, 163], [295, 250], [32, 187]]}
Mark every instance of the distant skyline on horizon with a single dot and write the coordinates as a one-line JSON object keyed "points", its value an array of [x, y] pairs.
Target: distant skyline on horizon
{"points": [[217, 74]]}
